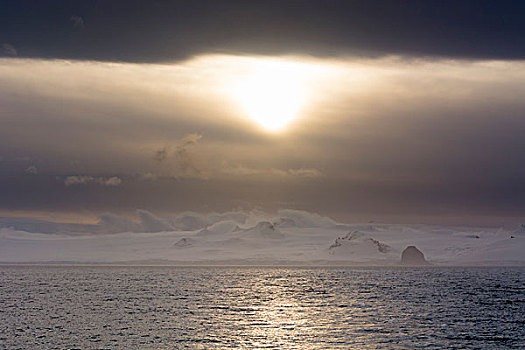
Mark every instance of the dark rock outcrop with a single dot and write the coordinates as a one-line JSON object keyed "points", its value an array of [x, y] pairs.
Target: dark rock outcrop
{"points": [[356, 238], [184, 243], [413, 256]]}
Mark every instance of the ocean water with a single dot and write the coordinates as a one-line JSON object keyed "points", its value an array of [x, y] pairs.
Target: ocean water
{"points": [[132, 307]]}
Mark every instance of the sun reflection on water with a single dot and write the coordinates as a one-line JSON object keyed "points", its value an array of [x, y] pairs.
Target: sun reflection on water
{"points": [[277, 317]]}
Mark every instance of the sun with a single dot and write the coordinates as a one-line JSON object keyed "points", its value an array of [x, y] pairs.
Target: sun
{"points": [[272, 94]]}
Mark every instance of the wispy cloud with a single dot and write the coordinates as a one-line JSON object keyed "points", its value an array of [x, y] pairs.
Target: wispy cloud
{"points": [[78, 22], [240, 170], [31, 170], [147, 177], [9, 50], [161, 154], [182, 156], [84, 180]]}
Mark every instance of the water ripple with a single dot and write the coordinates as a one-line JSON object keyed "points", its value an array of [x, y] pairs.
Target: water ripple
{"points": [[95, 307]]}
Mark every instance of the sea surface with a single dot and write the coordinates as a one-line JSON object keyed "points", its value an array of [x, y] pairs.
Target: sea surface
{"points": [[142, 307]]}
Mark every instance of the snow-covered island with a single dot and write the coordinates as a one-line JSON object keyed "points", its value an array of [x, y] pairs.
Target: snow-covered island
{"points": [[288, 237]]}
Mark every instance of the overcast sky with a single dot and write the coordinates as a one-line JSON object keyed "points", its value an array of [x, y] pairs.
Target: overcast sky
{"points": [[410, 110]]}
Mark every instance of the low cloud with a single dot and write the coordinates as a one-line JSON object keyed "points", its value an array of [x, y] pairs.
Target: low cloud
{"points": [[148, 177], [77, 180], [212, 222], [299, 172], [112, 181], [85, 180]]}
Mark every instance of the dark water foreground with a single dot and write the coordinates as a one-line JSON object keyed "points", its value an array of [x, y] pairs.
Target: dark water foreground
{"points": [[86, 307]]}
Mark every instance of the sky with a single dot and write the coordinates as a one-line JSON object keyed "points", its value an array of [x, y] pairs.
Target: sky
{"points": [[408, 111]]}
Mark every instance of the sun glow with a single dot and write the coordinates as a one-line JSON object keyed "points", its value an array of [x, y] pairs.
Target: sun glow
{"points": [[273, 93]]}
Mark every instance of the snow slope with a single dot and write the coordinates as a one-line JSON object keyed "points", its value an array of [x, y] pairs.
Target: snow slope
{"points": [[290, 237]]}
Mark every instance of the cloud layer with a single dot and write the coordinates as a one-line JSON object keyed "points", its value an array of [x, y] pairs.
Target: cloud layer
{"points": [[135, 31], [389, 136]]}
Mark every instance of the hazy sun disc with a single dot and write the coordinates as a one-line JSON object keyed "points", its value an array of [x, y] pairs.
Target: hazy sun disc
{"points": [[273, 95]]}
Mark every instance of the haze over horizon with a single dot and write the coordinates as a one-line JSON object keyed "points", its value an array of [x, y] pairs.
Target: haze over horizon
{"points": [[379, 110]]}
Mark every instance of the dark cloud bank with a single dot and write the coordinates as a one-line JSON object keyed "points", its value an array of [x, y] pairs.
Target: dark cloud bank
{"points": [[152, 31]]}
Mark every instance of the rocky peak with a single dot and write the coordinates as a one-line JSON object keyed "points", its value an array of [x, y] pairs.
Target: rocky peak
{"points": [[413, 256]]}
